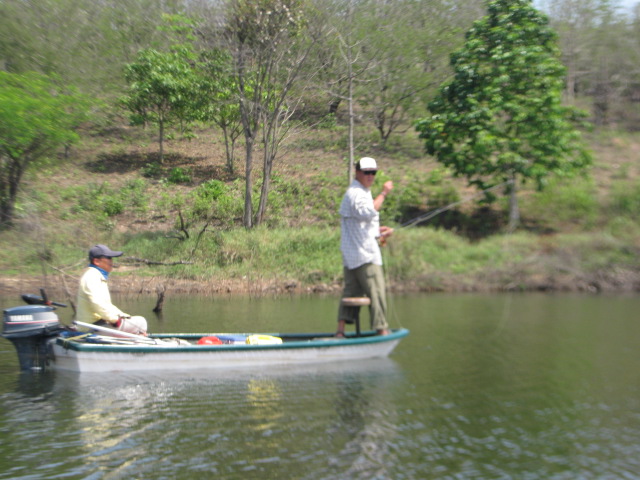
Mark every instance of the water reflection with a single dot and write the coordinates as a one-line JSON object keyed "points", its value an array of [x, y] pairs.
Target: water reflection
{"points": [[264, 399], [37, 386], [134, 423], [367, 423]]}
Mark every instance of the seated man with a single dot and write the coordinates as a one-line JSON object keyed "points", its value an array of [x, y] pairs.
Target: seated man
{"points": [[94, 299]]}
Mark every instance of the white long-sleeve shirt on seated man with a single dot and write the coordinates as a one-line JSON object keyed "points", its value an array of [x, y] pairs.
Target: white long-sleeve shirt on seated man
{"points": [[94, 298]]}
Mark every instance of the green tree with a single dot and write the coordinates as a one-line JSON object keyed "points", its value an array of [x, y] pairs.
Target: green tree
{"points": [[161, 90], [37, 118], [500, 119], [163, 85], [218, 99]]}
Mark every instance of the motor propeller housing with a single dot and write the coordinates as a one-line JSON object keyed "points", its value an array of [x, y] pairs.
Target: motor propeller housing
{"points": [[30, 328]]}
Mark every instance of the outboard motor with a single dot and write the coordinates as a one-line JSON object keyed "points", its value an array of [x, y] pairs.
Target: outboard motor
{"points": [[30, 328]]}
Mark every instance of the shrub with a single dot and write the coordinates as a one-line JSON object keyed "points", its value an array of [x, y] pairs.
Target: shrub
{"points": [[205, 196], [421, 196], [179, 175], [625, 199], [135, 194], [112, 206], [152, 170], [563, 202]]}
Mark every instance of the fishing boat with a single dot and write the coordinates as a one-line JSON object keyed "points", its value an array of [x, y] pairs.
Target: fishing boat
{"points": [[43, 343]]}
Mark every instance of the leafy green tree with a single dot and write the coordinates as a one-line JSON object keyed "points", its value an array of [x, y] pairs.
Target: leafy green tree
{"points": [[219, 101], [161, 90], [500, 119], [162, 85], [37, 118]]}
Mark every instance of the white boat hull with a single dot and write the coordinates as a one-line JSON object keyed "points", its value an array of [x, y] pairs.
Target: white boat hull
{"points": [[72, 356]]}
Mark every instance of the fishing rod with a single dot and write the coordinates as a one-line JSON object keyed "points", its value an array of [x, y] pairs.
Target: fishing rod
{"points": [[429, 215]]}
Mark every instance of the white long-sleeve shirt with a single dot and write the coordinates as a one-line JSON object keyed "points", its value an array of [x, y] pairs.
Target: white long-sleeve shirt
{"points": [[360, 227], [94, 299]]}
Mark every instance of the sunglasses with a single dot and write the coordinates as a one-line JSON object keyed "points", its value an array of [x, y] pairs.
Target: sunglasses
{"points": [[370, 172]]}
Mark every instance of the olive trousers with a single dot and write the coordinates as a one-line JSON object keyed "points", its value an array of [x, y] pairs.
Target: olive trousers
{"points": [[367, 280]]}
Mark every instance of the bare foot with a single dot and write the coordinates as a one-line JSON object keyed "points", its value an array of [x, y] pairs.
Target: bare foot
{"points": [[383, 331]]}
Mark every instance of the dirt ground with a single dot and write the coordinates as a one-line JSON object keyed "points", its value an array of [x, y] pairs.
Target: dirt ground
{"points": [[609, 281]]}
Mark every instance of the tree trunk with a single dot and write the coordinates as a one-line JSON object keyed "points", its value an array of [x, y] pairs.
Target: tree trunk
{"points": [[247, 219], [6, 215], [350, 174], [161, 140], [514, 210], [334, 105], [9, 191], [264, 191], [229, 147]]}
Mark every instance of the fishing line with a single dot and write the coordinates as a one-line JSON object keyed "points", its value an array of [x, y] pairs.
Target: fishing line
{"points": [[391, 311], [429, 215], [505, 317], [421, 219]]}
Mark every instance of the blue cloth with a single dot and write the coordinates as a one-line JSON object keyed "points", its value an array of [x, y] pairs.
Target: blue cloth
{"points": [[104, 273]]}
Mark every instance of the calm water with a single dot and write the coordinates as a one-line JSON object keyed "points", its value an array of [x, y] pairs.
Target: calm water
{"points": [[484, 387]]}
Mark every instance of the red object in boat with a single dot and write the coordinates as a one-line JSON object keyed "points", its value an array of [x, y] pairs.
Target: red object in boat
{"points": [[209, 341]]}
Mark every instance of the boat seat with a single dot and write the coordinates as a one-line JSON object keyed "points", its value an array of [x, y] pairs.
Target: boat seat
{"points": [[356, 302]]}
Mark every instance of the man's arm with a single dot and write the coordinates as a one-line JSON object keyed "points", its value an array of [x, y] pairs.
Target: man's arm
{"points": [[379, 200]]}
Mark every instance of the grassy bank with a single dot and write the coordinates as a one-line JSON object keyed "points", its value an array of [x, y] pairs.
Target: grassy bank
{"points": [[178, 222], [306, 260]]}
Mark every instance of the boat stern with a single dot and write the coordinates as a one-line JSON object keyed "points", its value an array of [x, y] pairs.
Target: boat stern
{"points": [[31, 329]]}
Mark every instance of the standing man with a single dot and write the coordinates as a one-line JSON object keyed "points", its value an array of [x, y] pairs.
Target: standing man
{"points": [[362, 260], [94, 299]]}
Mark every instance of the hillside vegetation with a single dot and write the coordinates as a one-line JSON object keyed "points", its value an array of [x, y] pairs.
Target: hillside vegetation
{"points": [[296, 87], [180, 227]]}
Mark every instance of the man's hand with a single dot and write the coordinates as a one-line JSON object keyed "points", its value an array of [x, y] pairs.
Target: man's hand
{"points": [[385, 232]]}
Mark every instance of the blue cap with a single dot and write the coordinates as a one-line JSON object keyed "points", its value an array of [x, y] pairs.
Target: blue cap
{"points": [[102, 251]]}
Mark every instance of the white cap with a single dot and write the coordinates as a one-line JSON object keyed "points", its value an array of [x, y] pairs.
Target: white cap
{"points": [[367, 163]]}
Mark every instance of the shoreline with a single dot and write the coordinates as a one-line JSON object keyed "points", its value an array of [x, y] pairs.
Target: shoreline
{"points": [[615, 280]]}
